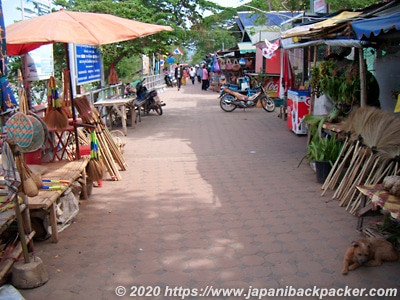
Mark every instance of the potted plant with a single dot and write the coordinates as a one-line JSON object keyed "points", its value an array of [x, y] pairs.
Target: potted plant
{"points": [[323, 149], [340, 83]]}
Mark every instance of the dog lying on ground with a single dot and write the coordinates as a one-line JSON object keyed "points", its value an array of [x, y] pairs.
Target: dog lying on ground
{"points": [[369, 252]]}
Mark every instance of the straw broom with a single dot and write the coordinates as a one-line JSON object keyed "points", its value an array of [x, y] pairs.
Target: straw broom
{"points": [[349, 197], [353, 171], [54, 117], [107, 146], [379, 129], [108, 138], [335, 167], [346, 156], [94, 168], [361, 178], [347, 174]]}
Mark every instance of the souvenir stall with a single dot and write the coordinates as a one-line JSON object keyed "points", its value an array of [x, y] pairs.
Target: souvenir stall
{"points": [[355, 65], [236, 63], [71, 125]]}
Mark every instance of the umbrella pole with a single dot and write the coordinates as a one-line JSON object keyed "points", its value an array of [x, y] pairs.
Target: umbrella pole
{"points": [[78, 152]]}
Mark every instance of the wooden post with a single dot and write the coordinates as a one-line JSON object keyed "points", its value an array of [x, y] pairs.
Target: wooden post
{"points": [[363, 94]]}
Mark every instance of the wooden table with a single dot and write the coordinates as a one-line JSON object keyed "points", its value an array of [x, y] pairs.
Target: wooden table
{"points": [[378, 198], [120, 105], [61, 170]]}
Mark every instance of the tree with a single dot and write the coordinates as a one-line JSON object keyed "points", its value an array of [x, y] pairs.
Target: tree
{"points": [[179, 14]]}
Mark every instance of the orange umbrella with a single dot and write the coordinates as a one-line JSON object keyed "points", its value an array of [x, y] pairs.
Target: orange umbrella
{"points": [[82, 28]]}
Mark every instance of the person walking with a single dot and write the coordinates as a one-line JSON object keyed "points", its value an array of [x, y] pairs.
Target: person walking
{"points": [[185, 75], [204, 79], [199, 74], [179, 75], [192, 74]]}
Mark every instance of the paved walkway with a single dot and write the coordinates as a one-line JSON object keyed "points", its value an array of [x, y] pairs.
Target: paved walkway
{"points": [[209, 199]]}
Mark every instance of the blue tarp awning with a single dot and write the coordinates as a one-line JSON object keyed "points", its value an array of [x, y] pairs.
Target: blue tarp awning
{"points": [[375, 26]]}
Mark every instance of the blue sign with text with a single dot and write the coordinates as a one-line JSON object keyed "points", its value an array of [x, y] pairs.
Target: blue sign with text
{"points": [[88, 64]]}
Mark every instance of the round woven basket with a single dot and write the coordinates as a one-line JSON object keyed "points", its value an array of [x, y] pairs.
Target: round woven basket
{"points": [[45, 128], [38, 136], [20, 129]]}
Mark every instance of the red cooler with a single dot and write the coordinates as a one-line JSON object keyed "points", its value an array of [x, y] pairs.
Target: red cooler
{"points": [[298, 104]]}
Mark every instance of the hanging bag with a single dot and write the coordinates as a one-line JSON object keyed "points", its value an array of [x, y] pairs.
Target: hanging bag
{"points": [[235, 65], [222, 63], [228, 65], [249, 63]]}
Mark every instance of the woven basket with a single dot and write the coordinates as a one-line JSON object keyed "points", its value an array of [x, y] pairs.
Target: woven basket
{"points": [[20, 129], [45, 128], [38, 139]]}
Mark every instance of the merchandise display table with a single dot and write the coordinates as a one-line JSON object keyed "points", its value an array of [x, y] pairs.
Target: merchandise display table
{"points": [[60, 170], [120, 105]]}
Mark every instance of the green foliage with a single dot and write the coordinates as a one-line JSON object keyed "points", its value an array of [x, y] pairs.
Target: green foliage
{"points": [[325, 148], [336, 5], [321, 148], [315, 125], [340, 83]]}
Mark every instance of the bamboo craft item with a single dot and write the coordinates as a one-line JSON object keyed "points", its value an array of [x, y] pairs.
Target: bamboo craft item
{"points": [[109, 152], [371, 153], [55, 117], [94, 167], [31, 182]]}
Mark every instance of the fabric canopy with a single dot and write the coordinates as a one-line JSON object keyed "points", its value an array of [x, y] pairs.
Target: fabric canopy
{"points": [[319, 26], [375, 26], [246, 48]]}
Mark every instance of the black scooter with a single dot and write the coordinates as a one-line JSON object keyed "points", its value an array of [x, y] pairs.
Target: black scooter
{"points": [[150, 99], [169, 81]]}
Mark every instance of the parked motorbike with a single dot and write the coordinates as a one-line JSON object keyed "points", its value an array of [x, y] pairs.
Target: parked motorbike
{"points": [[151, 98], [231, 99], [170, 81]]}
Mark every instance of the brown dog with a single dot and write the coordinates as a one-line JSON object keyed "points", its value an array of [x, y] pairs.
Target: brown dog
{"points": [[370, 252]]}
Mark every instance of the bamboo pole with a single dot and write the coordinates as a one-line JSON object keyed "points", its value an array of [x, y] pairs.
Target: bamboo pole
{"points": [[334, 168]]}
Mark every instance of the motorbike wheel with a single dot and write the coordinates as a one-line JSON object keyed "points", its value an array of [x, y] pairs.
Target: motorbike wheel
{"points": [[158, 109], [268, 104], [227, 103]]}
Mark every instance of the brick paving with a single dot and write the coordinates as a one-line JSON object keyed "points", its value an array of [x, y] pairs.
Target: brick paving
{"points": [[209, 199]]}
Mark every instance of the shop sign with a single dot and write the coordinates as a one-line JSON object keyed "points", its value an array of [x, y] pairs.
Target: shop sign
{"points": [[88, 64], [271, 86]]}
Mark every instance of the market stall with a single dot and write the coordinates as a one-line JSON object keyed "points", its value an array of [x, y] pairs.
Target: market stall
{"points": [[354, 67]]}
